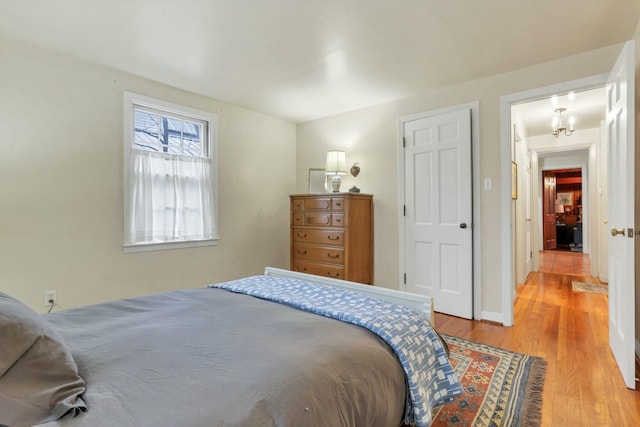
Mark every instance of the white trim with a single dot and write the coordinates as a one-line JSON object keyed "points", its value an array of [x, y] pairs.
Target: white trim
{"points": [[146, 247], [159, 104], [506, 101], [129, 100], [422, 304], [474, 107]]}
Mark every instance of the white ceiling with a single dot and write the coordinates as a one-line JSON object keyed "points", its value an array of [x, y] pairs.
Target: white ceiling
{"points": [[587, 107], [305, 59]]}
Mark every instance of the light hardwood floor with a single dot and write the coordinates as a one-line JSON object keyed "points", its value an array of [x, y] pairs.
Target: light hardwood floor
{"points": [[565, 262], [583, 386]]}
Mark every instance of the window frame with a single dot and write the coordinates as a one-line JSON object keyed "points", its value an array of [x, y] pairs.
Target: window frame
{"points": [[203, 124], [131, 100]]}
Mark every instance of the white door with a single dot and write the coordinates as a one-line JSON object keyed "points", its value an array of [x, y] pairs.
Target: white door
{"points": [[438, 235], [620, 140]]}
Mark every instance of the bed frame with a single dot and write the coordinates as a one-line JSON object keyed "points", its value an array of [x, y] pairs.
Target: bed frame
{"points": [[419, 303]]}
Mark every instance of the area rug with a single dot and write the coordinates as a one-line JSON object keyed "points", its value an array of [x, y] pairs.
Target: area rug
{"points": [[589, 287], [502, 388]]}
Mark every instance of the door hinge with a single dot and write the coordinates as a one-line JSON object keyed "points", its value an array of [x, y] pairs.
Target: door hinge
{"points": [[405, 278], [404, 142], [404, 210]]}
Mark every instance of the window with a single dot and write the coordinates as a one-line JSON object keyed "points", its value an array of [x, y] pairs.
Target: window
{"points": [[170, 175]]}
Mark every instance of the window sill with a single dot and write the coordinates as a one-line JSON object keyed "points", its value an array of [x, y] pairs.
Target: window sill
{"points": [[148, 247]]}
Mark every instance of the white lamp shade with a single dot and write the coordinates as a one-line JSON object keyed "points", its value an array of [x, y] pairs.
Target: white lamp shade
{"points": [[336, 162]]}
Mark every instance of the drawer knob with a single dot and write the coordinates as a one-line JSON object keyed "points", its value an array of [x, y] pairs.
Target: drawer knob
{"points": [[336, 256], [333, 238], [301, 251], [301, 236], [330, 274]]}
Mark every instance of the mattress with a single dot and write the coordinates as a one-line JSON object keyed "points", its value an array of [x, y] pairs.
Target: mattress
{"points": [[209, 357]]}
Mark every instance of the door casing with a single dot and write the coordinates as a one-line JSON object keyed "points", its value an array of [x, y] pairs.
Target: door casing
{"points": [[506, 101]]}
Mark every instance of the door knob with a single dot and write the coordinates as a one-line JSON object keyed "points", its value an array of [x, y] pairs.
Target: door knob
{"points": [[615, 232], [463, 225]]}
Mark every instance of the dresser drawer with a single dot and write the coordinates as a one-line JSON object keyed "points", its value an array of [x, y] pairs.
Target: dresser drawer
{"points": [[318, 219], [321, 204], [324, 237], [297, 218], [329, 254], [317, 204], [297, 205], [318, 269], [337, 220], [337, 204]]}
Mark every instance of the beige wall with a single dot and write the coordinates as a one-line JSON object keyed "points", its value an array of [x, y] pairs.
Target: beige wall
{"points": [[61, 209], [61, 177], [370, 136]]}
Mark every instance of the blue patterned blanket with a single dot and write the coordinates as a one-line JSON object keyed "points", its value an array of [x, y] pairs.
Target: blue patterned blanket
{"points": [[430, 377]]}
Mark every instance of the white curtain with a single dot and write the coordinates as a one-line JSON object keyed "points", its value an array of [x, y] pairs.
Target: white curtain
{"points": [[171, 198]]}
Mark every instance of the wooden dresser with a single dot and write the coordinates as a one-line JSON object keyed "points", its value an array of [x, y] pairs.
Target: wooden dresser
{"points": [[332, 235]]}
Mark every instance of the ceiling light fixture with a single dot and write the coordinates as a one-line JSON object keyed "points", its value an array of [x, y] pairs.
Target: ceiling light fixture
{"points": [[558, 126]]}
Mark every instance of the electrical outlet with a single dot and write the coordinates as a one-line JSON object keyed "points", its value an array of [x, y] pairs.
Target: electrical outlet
{"points": [[50, 297]]}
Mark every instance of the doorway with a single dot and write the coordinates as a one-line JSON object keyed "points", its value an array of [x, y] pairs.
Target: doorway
{"points": [[618, 137], [540, 150], [559, 164], [562, 210]]}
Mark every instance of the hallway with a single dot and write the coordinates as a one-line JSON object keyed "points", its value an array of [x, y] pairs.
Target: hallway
{"points": [[565, 262]]}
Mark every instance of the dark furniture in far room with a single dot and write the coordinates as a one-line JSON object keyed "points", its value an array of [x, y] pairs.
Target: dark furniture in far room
{"points": [[569, 235]]}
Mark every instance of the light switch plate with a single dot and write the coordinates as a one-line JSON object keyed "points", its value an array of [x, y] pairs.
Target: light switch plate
{"points": [[488, 184]]}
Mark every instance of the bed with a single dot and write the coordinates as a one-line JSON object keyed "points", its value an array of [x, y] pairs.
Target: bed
{"points": [[280, 349]]}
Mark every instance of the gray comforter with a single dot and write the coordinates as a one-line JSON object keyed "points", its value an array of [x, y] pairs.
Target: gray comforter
{"points": [[208, 357]]}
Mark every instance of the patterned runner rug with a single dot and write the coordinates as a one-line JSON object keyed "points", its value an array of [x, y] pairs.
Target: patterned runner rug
{"points": [[502, 388], [589, 287]]}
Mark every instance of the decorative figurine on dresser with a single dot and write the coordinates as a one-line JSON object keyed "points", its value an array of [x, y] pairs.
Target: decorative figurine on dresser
{"points": [[332, 235]]}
